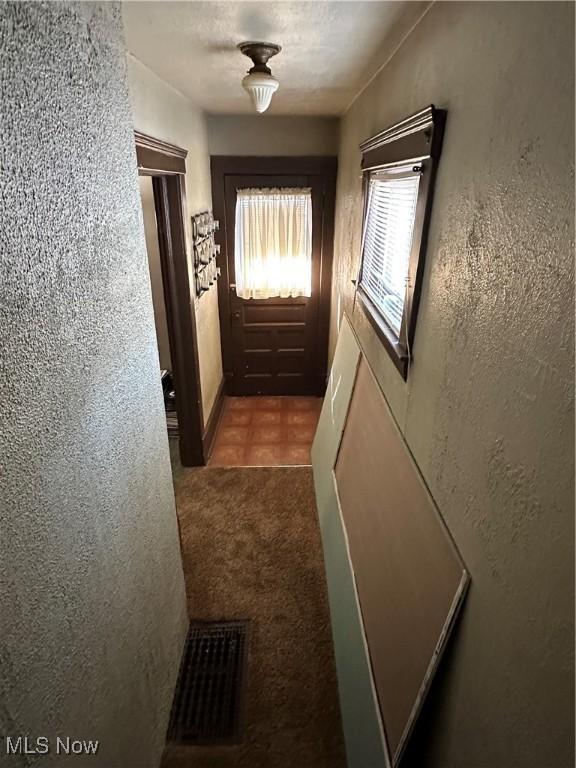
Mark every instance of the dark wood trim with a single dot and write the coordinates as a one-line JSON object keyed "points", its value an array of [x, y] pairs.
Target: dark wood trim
{"points": [[418, 140], [325, 168], [156, 156], [396, 350], [166, 164], [159, 145], [214, 420], [249, 165], [169, 198], [418, 250], [328, 225], [415, 138], [218, 171]]}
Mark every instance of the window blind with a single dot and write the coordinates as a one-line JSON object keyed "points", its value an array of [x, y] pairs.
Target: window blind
{"points": [[389, 226]]}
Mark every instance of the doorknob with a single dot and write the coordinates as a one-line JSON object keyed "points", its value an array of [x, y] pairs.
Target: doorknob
{"points": [[232, 286]]}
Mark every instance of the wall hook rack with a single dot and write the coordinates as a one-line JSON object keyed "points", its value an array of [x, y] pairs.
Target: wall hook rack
{"points": [[206, 272]]}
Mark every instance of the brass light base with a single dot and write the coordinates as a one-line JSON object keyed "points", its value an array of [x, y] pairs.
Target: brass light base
{"points": [[259, 53]]}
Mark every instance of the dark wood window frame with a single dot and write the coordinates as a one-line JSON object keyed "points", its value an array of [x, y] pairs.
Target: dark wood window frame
{"points": [[325, 168], [416, 140], [166, 163]]}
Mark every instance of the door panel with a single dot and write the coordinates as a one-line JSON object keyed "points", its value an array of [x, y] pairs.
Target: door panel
{"points": [[274, 341]]}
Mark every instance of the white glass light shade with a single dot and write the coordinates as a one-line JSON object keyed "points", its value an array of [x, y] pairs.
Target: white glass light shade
{"points": [[261, 88]]}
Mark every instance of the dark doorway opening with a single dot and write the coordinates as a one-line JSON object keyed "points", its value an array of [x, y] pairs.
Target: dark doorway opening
{"points": [[166, 164], [275, 345]]}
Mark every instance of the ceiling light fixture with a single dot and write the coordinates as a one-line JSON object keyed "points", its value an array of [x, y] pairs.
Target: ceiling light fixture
{"points": [[259, 82]]}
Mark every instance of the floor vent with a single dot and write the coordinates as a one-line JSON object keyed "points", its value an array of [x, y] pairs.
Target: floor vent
{"points": [[208, 702]]}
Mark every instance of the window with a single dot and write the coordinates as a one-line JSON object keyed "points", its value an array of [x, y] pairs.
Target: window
{"points": [[273, 243], [390, 213], [398, 169]]}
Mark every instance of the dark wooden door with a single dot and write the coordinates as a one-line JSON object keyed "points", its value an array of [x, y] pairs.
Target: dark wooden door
{"points": [[275, 343]]}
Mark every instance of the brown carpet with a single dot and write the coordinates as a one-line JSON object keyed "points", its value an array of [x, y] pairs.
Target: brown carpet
{"points": [[251, 548]]}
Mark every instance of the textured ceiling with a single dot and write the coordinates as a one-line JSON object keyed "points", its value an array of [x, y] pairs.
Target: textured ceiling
{"points": [[330, 48]]}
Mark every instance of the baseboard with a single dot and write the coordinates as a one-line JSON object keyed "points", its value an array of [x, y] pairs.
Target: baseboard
{"points": [[213, 420]]}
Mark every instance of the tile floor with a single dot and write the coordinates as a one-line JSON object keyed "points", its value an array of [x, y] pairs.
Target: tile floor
{"points": [[265, 431]]}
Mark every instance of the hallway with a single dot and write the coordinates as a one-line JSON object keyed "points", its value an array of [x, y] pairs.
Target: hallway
{"points": [[287, 347], [251, 549]]}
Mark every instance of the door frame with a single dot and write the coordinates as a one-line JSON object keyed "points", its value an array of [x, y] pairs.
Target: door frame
{"points": [[166, 164], [324, 167]]}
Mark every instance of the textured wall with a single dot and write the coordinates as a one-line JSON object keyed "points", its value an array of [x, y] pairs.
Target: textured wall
{"points": [[155, 269], [488, 407], [160, 111], [92, 606], [272, 135]]}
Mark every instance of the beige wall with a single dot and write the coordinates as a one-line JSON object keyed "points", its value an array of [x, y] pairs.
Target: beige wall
{"points": [[488, 407], [272, 135], [155, 269], [162, 112]]}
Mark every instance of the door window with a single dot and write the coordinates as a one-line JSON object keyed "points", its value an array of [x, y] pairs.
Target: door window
{"points": [[273, 243]]}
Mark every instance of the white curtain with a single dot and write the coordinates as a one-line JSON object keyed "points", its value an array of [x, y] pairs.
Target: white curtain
{"points": [[273, 243]]}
